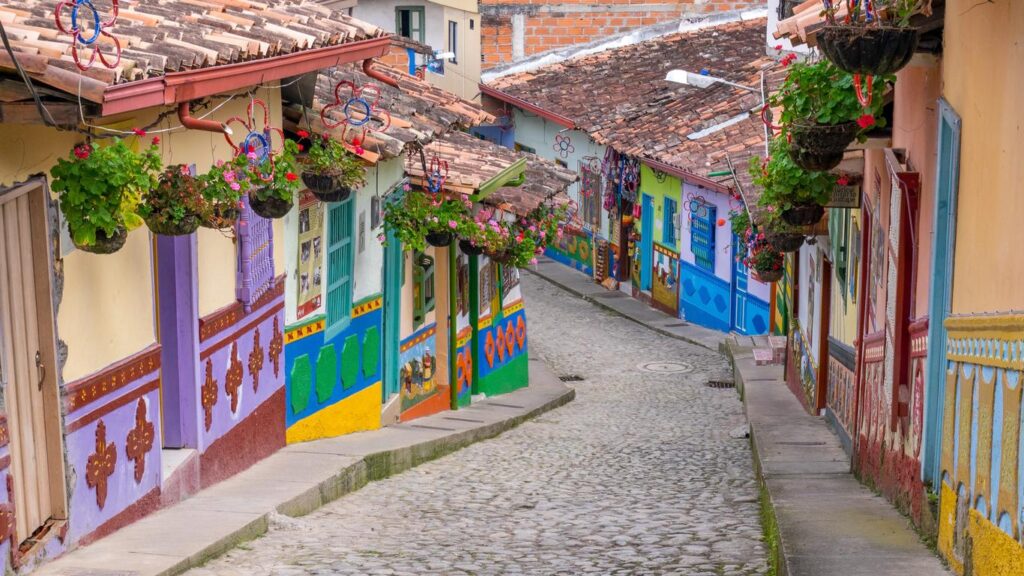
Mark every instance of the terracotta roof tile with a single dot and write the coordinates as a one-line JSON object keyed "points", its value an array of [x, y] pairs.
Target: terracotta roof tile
{"points": [[162, 36]]}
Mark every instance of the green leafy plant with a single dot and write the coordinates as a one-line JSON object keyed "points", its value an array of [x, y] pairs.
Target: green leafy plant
{"points": [[417, 214], [282, 182], [526, 237], [785, 184], [327, 156], [100, 188], [739, 220], [175, 203], [819, 93], [222, 188]]}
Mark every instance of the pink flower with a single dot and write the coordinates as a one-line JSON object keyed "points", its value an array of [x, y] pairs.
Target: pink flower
{"points": [[82, 152], [380, 237], [156, 140], [866, 121], [138, 131], [543, 234], [220, 163], [236, 186], [229, 176], [184, 170], [533, 261], [302, 134], [453, 224], [252, 156], [406, 187], [433, 219]]}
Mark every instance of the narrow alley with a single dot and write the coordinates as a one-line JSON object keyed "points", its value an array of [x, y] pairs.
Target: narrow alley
{"points": [[639, 475]]}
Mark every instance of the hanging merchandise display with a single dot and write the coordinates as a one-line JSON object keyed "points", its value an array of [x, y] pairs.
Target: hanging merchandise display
{"points": [[86, 29], [356, 109]]}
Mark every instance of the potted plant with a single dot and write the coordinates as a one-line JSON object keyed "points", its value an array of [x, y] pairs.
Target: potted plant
{"points": [[419, 218], [739, 221], [175, 206], [874, 39], [798, 195], [329, 171], [765, 264], [223, 186], [822, 114], [100, 188], [274, 182]]}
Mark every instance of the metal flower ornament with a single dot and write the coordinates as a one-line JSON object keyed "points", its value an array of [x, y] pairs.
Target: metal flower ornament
{"points": [[563, 145], [358, 109], [258, 143], [438, 175], [87, 28]]}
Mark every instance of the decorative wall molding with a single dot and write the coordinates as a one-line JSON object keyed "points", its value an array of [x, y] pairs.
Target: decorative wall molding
{"points": [[117, 376], [995, 341], [228, 316]]}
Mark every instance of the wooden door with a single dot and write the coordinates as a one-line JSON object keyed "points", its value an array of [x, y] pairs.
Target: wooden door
{"points": [[394, 260], [27, 354], [442, 315]]}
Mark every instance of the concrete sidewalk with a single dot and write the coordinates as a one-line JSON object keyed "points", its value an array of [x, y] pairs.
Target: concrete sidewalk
{"points": [[825, 521], [297, 480], [617, 301]]}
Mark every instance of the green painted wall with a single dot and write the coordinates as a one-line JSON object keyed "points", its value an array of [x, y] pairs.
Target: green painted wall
{"points": [[669, 186]]}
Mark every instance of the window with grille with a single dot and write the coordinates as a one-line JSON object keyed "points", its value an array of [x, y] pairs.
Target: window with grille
{"points": [[702, 235], [668, 225], [255, 272], [423, 297], [409, 22], [340, 262]]}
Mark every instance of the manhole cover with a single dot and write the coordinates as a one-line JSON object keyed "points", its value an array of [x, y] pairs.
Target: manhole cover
{"points": [[666, 367]]}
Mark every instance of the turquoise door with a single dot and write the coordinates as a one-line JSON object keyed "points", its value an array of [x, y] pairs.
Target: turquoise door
{"points": [[944, 235], [393, 263], [646, 241], [739, 290]]}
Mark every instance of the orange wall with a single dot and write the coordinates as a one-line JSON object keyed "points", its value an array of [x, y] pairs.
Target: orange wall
{"points": [[983, 80], [915, 125]]}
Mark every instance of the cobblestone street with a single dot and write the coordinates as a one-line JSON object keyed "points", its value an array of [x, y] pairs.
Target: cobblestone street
{"points": [[639, 475]]}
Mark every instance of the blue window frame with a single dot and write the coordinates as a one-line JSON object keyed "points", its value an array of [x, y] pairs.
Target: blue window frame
{"points": [[340, 262], [702, 235], [668, 226]]}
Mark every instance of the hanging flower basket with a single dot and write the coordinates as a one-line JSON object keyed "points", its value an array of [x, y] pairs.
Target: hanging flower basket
{"points": [[785, 241], [803, 214], [870, 50], [820, 147], [272, 206], [326, 186], [767, 276], [501, 257], [439, 239], [105, 244], [222, 216], [174, 207], [182, 227], [469, 248]]}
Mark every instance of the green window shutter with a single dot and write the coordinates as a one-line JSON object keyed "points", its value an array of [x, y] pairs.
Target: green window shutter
{"points": [[419, 308], [429, 298], [340, 261]]}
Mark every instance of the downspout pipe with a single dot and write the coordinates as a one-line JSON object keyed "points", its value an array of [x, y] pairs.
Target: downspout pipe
{"points": [[370, 71], [186, 119]]}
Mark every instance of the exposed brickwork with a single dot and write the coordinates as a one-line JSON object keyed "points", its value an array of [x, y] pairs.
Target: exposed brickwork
{"points": [[550, 24]]}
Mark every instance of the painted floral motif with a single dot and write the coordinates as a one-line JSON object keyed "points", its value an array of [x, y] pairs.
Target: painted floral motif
{"points": [[258, 141], [256, 361], [140, 440], [233, 380], [100, 465], [563, 145], [209, 395], [276, 347], [86, 30]]}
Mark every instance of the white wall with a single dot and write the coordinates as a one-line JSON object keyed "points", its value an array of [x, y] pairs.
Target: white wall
{"points": [[809, 294], [538, 133]]}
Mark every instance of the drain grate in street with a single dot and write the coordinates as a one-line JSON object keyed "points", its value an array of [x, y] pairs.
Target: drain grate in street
{"points": [[720, 384], [571, 378], [679, 325], [666, 367]]}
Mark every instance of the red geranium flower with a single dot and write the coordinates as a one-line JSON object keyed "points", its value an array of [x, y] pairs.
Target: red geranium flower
{"points": [[866, 121], [291, 176], [156, 140], [82, 152], [301, 147], [303, 134], [842, 180], [139, 131]]}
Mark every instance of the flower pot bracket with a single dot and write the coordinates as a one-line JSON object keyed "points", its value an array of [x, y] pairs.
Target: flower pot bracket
{"points": [[258, 142], [355, 107], [86, 28]]}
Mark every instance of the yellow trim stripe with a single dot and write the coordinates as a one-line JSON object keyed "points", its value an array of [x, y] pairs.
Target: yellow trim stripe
{"points": [[296, 334], [419, 338], [513, 308], [367, 307]]}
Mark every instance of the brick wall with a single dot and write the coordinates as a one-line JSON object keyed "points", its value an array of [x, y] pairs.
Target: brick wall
{"points": [[549, 24]]}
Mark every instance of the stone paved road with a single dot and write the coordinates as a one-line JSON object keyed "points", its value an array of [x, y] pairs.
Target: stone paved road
{"points": [[639, 475]]}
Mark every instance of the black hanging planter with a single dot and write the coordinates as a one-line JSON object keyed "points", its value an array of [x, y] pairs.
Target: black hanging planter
{"points": [[803, 214], [469, 248], [820, 147], [874, 50], [183, 227], [326, 187], [271, 207], [105, 244], [225, 215], [785, 241], [767, 276], [439, 239]]}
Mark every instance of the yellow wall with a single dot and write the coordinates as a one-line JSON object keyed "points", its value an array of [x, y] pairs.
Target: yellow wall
{"points": [[843, 314], [983, 81]]}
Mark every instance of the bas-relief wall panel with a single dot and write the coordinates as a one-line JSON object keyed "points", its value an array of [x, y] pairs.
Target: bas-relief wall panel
{"points": [[981, 518], [981, 76]]}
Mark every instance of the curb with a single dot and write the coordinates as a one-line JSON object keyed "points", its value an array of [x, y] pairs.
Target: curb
{"points": [[374, 466], [606, 306]]}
